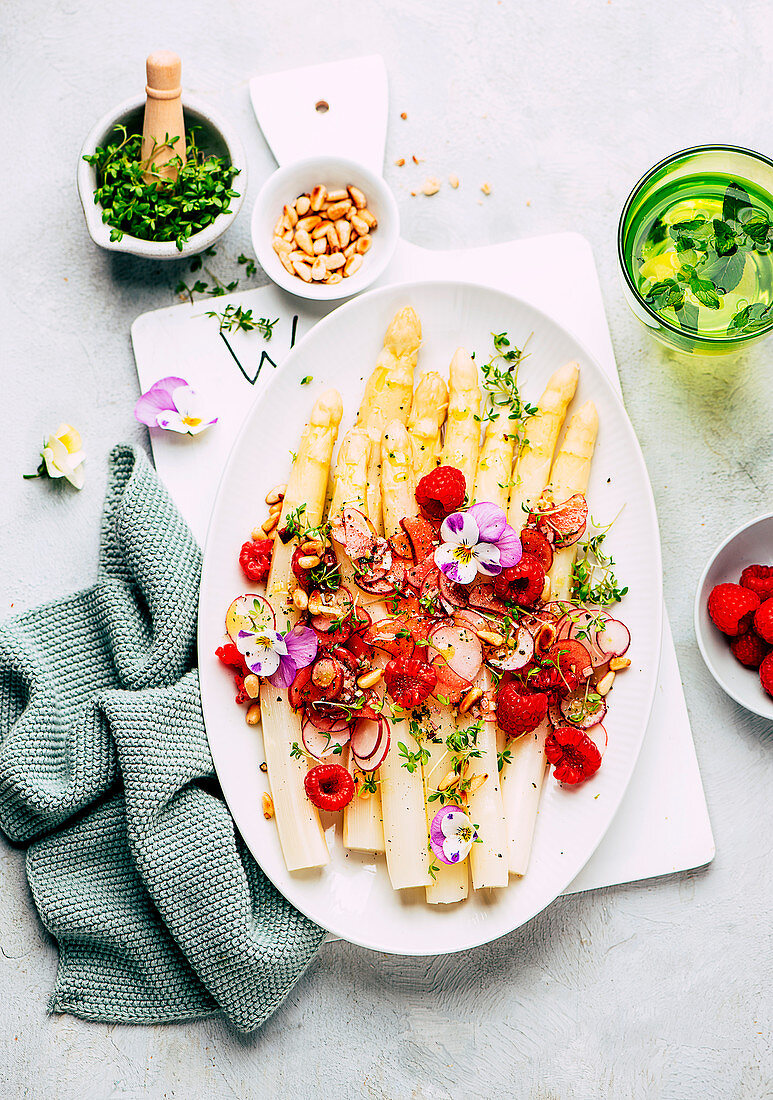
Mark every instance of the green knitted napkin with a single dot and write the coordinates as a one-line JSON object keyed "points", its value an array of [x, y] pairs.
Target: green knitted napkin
{"points": [[134, 862]]}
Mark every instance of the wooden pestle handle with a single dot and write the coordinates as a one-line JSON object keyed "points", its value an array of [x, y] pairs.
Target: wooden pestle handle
{"points": [[163, 116]]}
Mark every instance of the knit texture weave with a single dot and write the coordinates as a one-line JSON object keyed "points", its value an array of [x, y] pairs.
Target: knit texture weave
{"points": [[134, 862]]}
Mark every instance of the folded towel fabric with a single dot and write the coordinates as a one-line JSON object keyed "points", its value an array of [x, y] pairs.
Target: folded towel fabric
{"points": [[134, 862]]}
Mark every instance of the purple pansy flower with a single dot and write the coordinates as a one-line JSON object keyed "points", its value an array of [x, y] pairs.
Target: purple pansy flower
{"points": [[477, 541], [451, 834], [277, 657], [172, 404]]}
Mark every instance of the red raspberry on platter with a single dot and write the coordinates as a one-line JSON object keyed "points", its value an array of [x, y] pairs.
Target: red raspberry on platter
{"points": [[519, 711], [731, 608], [255, 559], [763, 621], [441, 492], [573, 754], [522, 583], [230, 656], [759, 579], [766, 674], [749, 650], [329, 787], [409, 681]]}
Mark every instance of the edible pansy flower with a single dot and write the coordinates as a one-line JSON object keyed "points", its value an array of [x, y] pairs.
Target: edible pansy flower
{"points": [[62, 456], [477, 541], [172, 404], [452, 834], [277, 657]]}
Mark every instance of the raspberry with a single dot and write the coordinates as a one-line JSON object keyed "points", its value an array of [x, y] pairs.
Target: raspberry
{"points": [[255, 559], [573, 755], [230, 656], [522, 583], [329, 787], [564, 667], [409, 681], [749, 650], [731, 608], [759, 579], [519, 711], [766, 674], [763, 621], [441, 492]]}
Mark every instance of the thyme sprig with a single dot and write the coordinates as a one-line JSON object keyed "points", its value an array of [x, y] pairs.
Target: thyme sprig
{"points": [[593, 577], [500, 383]]}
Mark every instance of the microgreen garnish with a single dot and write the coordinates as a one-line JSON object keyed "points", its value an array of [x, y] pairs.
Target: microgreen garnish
{"points": [[593, 578], [500, 382], [503, 758], [250, 268], [235, 318], [164, 209], [306, 379]]}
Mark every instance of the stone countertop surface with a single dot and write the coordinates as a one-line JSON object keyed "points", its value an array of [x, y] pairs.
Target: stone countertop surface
{"points": [[659, 989]]}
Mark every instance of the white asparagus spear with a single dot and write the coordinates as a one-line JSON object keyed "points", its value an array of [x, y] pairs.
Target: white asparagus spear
{"points": [[462, 441], [495, 463], [428, 414], [388, 395], [488, 857], [532, 464], [402, 791], [450, 881], [362, 829], [300, 832], [523, 777]]}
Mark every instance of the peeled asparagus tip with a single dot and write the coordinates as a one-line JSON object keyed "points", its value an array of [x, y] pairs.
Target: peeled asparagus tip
{"points": [[403, 336], [462, 371], [328, 410]]}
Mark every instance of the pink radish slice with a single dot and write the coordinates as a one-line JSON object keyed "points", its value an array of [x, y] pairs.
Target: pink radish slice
{"points": [[319, 744], [511, 657], [327, 719], [576, 712], [598, 735], [353, 530], [557, 609], [377, 759], [249, 612], [366, 736], [381, 586], [460, 648], [455, 595], [583, 626], [472, 619], [613, 640]]}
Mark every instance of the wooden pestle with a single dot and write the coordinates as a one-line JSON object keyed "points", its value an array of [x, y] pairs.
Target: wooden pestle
{"points": [[163, 117]]}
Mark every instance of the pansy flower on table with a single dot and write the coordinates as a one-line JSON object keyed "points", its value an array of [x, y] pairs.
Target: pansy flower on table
{"points": [[173, 404], [62, 457], [447, 635]]}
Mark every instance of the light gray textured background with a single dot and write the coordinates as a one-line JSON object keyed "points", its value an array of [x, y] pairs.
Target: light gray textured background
{"points": [[653, 990]]}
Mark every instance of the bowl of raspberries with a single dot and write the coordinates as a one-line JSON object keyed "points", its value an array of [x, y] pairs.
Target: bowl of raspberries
{"points": [[734, 616]]}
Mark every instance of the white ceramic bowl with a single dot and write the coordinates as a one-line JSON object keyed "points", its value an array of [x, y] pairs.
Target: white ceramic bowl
{"points": [[217, 136], [751, 544], [286, 184]]}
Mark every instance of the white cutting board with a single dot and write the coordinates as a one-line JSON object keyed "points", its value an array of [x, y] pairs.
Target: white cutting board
{"points": [[663, 824]]}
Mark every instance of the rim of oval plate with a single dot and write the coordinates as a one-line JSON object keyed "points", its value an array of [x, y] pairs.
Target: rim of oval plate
{"points": [[724, 566], [292, 180]]}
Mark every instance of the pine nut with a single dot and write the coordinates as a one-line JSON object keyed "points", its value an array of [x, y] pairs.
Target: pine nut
{"points": [[349, 250], [275, 509], [304, 242], [252, 686], [370, 679], [453, 181], [280, 245], [448, 781], [486, 188], [318, 196], [332, 235], [309, 561], [472, 696], [279, 228], [288, 235], [306, 225], [302, 205], [546, 590], [489, 637], [312, 546], [604, 685], [321, 229], [336, 277], [273, 496], [302, 270], [359, 226], [362, 245], [335, 261], [617, 664], [286, 264], [318, 270], [544, 638], [269, 524], [357, 197], [338, 196], [252, 717], [431, 186], [300, 600], [343, 232], [369, 218], [353, 265], [320, 246], [400, 162], [268, 806], [338, 210], [477, 782], [291, 216]]}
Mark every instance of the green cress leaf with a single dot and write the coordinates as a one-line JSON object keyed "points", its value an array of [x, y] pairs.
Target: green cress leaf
{"points": [[725, 272], [736, 199]]}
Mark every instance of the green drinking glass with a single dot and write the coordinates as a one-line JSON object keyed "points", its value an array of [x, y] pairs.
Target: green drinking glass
{"points": [[695, 245]]}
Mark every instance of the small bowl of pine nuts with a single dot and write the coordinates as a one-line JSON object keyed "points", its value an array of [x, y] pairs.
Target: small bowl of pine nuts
{"points": [[325, 228]]}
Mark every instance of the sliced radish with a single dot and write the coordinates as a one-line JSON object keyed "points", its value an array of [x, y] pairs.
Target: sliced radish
{"points": [[454, 595], [302, 691], [481, 597], [328, 677], [379, 756], [401, 546], [598, 735], [583, 626], [472, 619], [329, 719], [460, 648], [366, 736], [613, 640], [575, 709], [249, 612], [515, 655], [320, 744], [353, 529], [449, 685], [422, 534]]}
